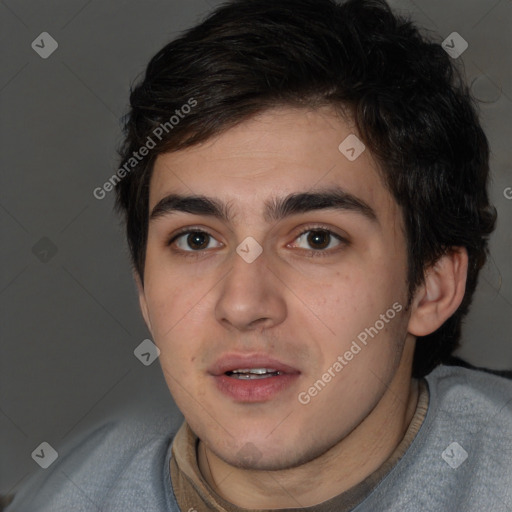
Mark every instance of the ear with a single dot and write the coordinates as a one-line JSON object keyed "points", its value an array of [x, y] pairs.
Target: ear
{"points": [[441, 293], [142, 300]]}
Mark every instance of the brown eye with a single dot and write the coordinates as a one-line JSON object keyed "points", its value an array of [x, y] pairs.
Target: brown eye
{"points": [[197, 240], [193, 240], [318, 239]]}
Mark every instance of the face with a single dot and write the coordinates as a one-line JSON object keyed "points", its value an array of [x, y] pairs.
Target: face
{"points": [[291, 286]]}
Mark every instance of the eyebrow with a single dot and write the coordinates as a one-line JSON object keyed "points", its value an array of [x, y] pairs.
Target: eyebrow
{"points": [[276, 208]]}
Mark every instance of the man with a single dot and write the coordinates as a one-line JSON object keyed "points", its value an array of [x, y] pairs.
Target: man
{"points": [[304, 185]]}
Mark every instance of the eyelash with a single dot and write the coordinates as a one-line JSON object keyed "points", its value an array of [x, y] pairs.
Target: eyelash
{"points": [[307, 229]]}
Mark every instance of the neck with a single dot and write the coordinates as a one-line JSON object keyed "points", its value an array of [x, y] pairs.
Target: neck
{"points": [[344, 465]]}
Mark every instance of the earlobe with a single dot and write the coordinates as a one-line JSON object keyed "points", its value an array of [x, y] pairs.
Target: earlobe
{"points": [[441, 293], [142, 300]]}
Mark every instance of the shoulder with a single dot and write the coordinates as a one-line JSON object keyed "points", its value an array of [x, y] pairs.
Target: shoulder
{"points": [[468, 439], [460, 457], [472, 397], [118, 461]]}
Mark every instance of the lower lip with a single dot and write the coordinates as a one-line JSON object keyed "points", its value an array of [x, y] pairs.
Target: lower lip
{"points": [[254, 390]]}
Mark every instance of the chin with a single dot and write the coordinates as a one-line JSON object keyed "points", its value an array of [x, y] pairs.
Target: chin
{"points": [[250, 458], [264, 456]]}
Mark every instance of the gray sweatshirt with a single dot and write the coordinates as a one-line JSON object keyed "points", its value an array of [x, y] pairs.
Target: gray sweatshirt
{"points": [[460, 460]]}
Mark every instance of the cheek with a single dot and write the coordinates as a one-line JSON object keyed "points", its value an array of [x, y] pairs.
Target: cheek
{"points": [[343, 299], [177, 324], [362, 306], [171, 294]]}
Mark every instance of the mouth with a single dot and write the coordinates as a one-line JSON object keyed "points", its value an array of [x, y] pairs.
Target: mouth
{"points": [[253, 373], [250, 365], [251, 378]]}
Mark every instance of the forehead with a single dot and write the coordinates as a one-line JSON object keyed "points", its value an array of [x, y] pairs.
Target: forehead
{"points": [[279, 152]]}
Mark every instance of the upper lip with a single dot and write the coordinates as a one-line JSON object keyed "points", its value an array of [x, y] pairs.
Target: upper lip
{"points": [[230, 362]]}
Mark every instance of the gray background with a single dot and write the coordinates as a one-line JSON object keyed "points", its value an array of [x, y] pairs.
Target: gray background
{"points": [[69, 319]]}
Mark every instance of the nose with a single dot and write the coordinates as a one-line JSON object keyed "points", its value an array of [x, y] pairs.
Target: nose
{"points": [[251, 296]]}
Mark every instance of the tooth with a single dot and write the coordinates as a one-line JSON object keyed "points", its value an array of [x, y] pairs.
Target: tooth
{"points": [[254, 373], [257, 371], [252, 376]]}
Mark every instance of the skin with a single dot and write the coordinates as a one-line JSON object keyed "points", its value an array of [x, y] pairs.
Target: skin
{"points": [[302, 309]]}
